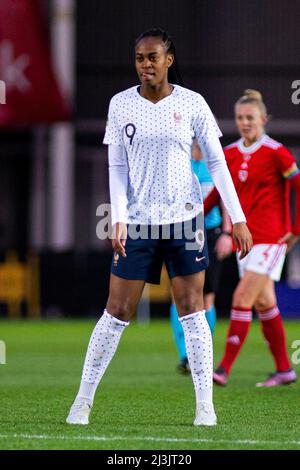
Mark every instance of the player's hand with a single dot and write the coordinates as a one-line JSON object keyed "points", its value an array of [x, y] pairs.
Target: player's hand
{"points": [[223, 246], [242, 238], [119, 237], [290, 239]]}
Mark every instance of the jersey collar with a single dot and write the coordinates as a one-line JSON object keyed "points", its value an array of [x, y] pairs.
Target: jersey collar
{"points": [[174, 92], [252, 147]]}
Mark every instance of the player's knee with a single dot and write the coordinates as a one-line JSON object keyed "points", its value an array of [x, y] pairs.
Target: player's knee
{"points": [[264, 303], [242, 299], [122, 310], [187, 305]]}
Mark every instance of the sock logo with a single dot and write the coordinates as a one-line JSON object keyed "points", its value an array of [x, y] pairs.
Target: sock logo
{"points": [[234, 340]]}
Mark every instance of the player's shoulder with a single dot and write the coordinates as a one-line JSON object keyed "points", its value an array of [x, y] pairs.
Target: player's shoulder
{"points": [[190, 95], [125, 95], [232, 146], [270, 143], [278, 150]]}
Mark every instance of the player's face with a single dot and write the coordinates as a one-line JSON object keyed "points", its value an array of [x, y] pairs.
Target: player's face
{"points": [[151, 61], [249, 121]]}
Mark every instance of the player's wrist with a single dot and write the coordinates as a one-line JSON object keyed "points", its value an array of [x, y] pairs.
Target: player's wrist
{"points": [[226, 232]]}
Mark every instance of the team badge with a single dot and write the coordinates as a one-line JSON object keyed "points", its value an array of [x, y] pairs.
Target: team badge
{"points": [[243, 175], [177, 118]]}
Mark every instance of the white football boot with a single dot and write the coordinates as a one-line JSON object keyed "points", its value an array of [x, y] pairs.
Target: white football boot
{"points": [[205, 415], [79, 412]]}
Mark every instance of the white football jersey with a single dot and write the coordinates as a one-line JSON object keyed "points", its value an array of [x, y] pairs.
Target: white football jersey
{"points": [[158, 137]]}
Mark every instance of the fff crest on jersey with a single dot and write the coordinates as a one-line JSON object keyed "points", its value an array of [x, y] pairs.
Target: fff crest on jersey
{"points": [[177, 117], [243, 175]]}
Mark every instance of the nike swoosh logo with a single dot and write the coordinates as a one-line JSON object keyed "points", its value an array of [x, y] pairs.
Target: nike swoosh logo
{"points": [[199, 259]]}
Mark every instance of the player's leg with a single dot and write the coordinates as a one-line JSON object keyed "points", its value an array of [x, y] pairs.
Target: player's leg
{"points": [[210, 310], [212, 278], [142, 264], [274, 333], [212, 273], [188, 293], [178, 333], [124, 296], [244, 297]]}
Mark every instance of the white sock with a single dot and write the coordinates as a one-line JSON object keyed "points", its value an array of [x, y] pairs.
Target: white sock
{"points": [[199, 348], [101, 349]]}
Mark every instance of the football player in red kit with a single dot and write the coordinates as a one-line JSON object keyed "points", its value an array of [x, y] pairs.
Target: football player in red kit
{"points": [[263, 171]]}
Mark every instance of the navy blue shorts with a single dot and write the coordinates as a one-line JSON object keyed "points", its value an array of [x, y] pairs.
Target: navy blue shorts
{"points": [[145, 257]]}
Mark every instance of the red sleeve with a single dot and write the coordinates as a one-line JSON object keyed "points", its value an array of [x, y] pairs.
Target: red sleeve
{"points": [[295, 183], [285, 162], [212, 200]]}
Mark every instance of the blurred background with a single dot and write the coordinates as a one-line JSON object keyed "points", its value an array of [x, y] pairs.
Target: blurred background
{"points": [[60, 63]]}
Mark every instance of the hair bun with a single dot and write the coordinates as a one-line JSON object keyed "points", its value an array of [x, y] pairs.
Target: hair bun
{"points": [[252, 94]]}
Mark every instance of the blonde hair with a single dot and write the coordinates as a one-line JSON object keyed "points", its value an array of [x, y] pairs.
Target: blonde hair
{"points": [[253, 97]]}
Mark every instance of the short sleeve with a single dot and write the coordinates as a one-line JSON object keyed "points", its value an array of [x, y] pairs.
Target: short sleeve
{"points": [[113, 134], [286, 163], [205, 125]]}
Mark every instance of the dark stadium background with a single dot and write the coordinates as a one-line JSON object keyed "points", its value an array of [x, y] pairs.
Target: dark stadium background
{"points": [[223, 47]]}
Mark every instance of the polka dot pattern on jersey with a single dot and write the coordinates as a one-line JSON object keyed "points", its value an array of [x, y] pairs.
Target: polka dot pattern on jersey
{"points": [[158, 138]]}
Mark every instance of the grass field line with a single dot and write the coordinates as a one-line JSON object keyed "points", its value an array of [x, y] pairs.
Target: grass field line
{"points": [[146, 438]]}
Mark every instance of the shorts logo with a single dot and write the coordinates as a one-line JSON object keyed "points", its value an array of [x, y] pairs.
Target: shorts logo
{"points": [[177, 118], [199, 259], [266, 256]]}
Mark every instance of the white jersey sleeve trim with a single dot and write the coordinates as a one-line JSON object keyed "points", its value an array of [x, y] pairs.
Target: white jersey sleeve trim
{"points": [[118, 183]]}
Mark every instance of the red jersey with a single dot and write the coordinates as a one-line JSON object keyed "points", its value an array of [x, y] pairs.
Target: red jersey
{"points": [[260, 174]]}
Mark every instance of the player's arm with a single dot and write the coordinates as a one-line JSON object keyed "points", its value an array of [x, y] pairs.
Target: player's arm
{"points": [[291, 172], [211, 200], [208, 138], [224, 243], [118, 184]]}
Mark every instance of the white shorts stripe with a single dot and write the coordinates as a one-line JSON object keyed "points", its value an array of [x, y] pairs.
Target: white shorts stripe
{"points": [[276, 257]]}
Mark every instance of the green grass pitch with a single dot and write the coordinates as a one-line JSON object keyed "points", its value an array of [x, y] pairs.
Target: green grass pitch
{"points": [[142, 402]]}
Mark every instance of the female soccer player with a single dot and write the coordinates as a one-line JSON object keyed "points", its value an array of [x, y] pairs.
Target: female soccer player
{"points": [[153, 195], [219, 244], [262, 170]]}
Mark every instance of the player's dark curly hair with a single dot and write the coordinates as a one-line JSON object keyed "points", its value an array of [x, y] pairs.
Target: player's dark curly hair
{"points": [[174, 75]]}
